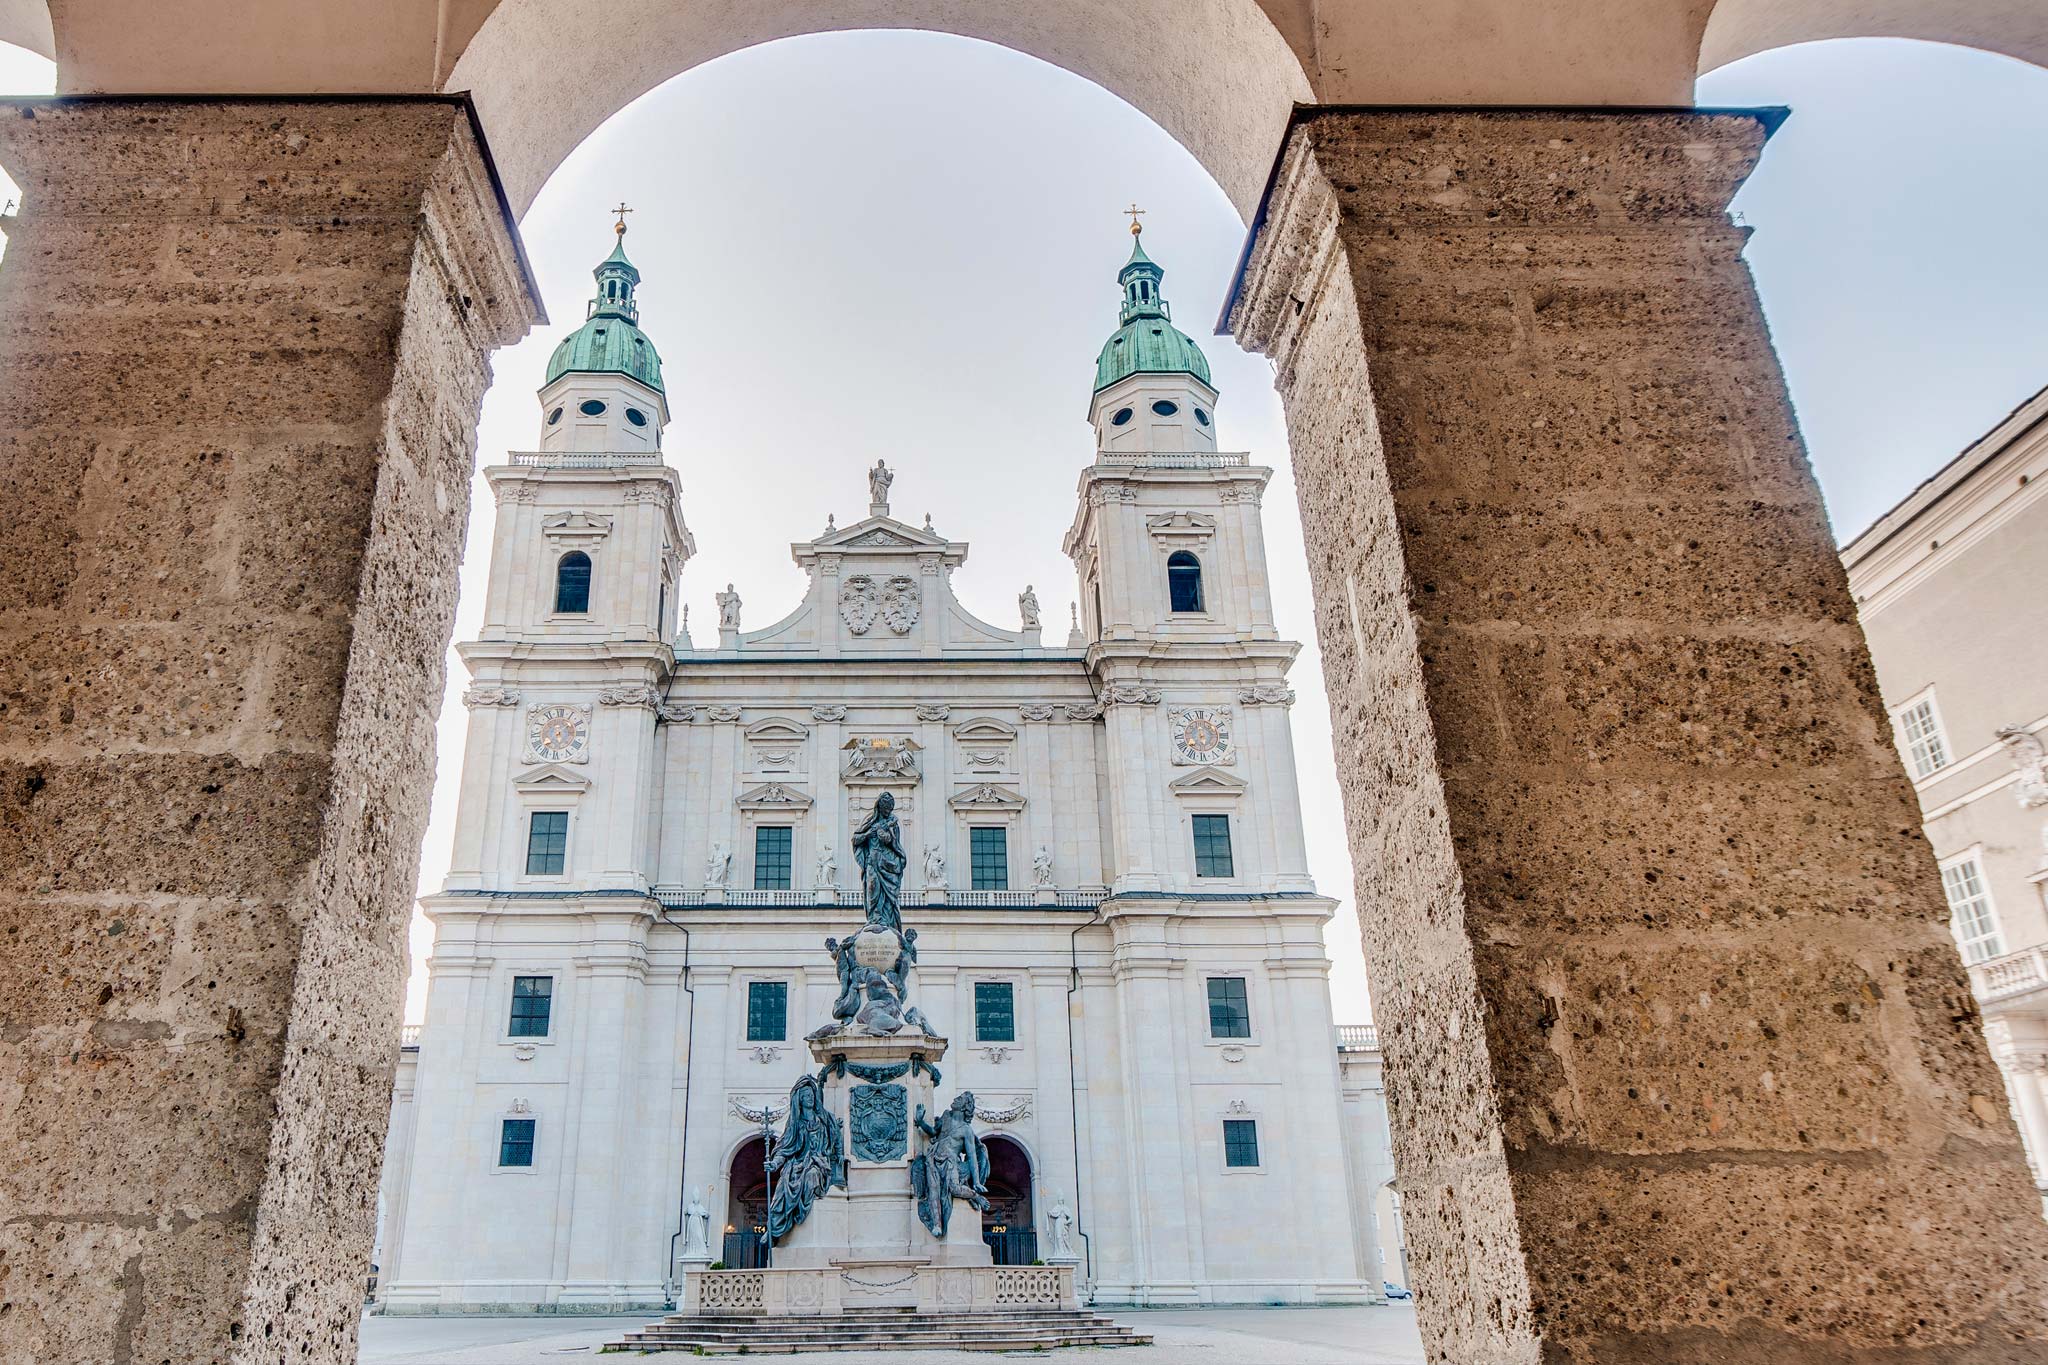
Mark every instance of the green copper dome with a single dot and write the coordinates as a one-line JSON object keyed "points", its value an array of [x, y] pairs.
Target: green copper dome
{"points": [[1148, 342], [610, 340]]}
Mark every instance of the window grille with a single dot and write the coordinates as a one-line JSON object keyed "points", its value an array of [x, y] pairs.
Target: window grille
{"points": [[515, 1142], [989, 857], [995, 1012], [1971, 917], [1240, 1142], [772, 857], [1926, 749], [533, 1001], [1230, 1014], [767, 1011], [547, 843], [1212, 846]]}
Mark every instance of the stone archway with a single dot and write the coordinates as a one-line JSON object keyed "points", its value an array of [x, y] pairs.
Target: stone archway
{"points": [[1010, 1225], [746, 1205]]}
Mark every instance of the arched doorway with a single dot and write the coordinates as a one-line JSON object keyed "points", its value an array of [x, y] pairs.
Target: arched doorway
{"points": [[1009, 1227], [746, 1207]]}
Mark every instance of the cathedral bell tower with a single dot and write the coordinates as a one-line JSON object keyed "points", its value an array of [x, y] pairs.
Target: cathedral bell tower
{"points": [[603, 390], [1152, 389]]}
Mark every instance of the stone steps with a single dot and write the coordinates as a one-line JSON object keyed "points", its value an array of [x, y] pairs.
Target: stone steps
{"points": [[883, 1330]]}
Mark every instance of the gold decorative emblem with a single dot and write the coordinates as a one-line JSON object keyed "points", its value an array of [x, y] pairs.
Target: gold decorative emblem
{"points": [[558, 733], [1201, 734]]}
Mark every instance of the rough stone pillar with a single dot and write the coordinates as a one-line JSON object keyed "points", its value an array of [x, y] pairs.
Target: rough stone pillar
{"points": [[242, 349], [1682, 1062]]}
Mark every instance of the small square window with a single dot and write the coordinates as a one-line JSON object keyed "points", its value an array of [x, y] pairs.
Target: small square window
{"points": [[547, 843], [1926, 747], [533, 999], [1240, 1142], [771, 857], [1970, 914], [995, 1012], [767, 1011], [1230, 1015], [989, 857], [515, 1142], [1212, 846]]}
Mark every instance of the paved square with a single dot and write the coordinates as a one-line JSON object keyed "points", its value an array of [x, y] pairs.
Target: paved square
{"points": [[1225, 1336]]}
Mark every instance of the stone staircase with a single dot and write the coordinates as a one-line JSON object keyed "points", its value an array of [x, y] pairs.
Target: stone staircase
{"points": [[882, 1329]]}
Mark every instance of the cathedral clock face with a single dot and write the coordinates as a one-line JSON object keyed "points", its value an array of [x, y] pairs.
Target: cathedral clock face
{"points": [[558, 734], [1201, 734]]}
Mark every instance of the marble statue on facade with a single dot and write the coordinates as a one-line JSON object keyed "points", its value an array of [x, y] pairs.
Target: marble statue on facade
{"points": [[828, 867], [1041, 866], [696, 1227], [878, 848], [809, 1157], [879, 479], [1059, 1223], [728, 608], [718, 865], [934, 865], [953, 1165], [1027, 607]]}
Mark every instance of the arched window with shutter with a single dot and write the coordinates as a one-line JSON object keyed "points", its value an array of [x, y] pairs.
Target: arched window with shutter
{"points": [[572, 582], [1184, 581]]}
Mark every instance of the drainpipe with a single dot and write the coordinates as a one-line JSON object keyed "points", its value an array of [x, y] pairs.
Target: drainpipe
{"points": [[690, 1043], [1074, 1092]]}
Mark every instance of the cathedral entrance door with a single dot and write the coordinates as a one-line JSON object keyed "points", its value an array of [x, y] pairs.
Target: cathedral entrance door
{"points": [[1008, 1226]]}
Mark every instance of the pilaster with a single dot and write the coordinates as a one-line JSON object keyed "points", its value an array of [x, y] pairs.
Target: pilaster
{"points": [[1659, 952], [238, 405]]}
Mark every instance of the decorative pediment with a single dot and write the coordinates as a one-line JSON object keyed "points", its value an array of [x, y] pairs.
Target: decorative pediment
{"points": [[550, 779], [1181, 528], [775, 796], [1207, 782], [879, 533], [575, 528], [983, 729], [879, 536], [987, 796], [778, 728]]}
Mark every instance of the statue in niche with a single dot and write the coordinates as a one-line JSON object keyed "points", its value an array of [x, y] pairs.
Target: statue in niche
{"points": [[1059, 1223], [718, 866], [953, 1165], [1027, 607], [878, 848], [1041, 866], [828, 867], [934, 865], [879, 479], [696, 1227], [728, 608], [809, 1158]]}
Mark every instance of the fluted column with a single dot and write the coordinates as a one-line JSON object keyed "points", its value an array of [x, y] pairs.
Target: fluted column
{"points": [[1682, 1061]]}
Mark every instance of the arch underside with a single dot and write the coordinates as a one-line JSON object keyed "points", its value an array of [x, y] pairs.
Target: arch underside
{"points": [[1218, 75]]}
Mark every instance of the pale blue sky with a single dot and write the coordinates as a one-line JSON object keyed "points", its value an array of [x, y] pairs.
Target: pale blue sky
{"points": [[903, 245]]}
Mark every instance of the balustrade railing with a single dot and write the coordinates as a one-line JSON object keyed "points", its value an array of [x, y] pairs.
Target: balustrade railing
{"points": [[409, 1035], [581, 459], [1176, 459], [2012, 974], [1357, 1038], [677, 898]]}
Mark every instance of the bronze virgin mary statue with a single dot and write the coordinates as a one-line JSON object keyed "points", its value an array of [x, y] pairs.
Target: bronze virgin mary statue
{"points": [[878, 848]]}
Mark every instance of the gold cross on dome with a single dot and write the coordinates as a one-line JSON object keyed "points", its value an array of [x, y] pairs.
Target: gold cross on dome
{"points": [[622, 211], [1136, 213]]}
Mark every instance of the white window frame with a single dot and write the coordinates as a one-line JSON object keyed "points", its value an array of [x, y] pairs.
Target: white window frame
{"points": [[1252, 1114], [1252, 985], [791, 1003], [532, 804], [1929, 753], [1019, 996], [555, 976], [1968, 867], [532, 1167]]}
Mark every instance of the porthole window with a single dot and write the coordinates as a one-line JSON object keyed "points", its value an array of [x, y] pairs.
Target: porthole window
{"points": [[1165, 409], [1122, 416], [636, 417], [591, 407], [1201, 417], [554, 416]]}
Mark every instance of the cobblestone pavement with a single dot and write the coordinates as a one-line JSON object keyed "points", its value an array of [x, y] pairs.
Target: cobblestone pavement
{"points": [[1224, 1336]]}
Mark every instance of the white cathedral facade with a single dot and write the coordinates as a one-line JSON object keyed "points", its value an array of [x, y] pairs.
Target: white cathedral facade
{"points": [[1118, 930]]}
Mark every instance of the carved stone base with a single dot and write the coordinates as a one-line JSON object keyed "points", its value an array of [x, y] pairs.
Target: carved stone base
{"points": [[832, 1290]]}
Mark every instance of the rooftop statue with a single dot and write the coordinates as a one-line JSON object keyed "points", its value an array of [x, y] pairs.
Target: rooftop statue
{"points": [[809, 1157], [953, 1165]]}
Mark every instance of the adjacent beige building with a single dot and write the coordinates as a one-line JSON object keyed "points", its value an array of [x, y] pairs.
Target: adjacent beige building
{"points": [[1950, 586]]}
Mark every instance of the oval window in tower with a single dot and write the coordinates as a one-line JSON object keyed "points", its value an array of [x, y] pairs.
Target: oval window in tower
{"points": [[591, 407], [1165, 409], [1122, 416], [554, 416], [636, 417], [1201, 417]]}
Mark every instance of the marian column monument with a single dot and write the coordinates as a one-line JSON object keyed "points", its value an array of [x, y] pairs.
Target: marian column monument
{"points": [[868, 1178]]}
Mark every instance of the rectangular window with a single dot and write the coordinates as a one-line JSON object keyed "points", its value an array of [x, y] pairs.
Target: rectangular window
{"points": [[989, 857], [1971, 917], [771, 858], [515, 1142], [1212, 846], [995, 1012], [1926, 750], [533, 999], [767, 1011], [1230, 1015], [1240, 1142], [547, 843]]}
